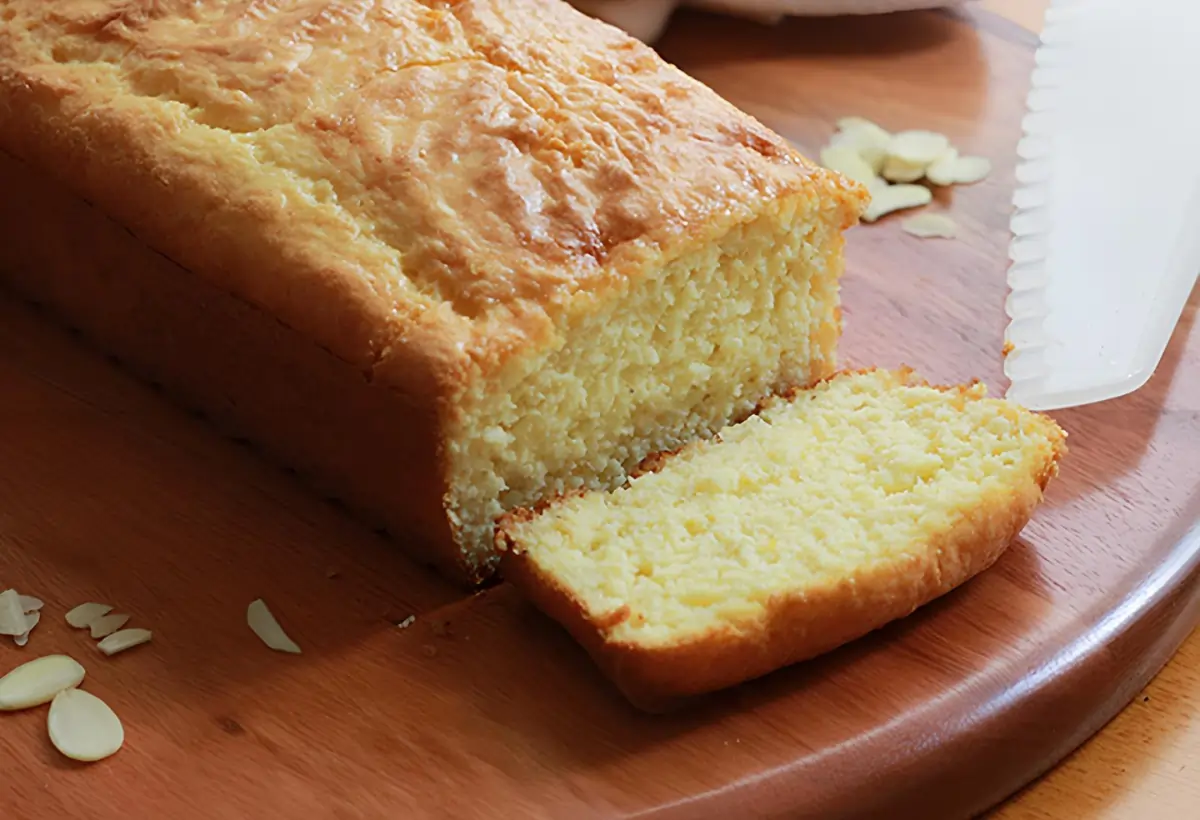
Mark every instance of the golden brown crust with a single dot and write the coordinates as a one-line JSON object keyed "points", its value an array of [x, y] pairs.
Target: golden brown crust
{"points": [[418, 189], [448, 175], [372, 447], [794, 628]]}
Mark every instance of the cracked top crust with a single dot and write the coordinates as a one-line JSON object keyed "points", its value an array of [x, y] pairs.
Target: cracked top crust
{"points": [[384, 175]]}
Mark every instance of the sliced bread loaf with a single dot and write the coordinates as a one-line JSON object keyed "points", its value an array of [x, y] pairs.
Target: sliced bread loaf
{"points": [[445, 258], [827, 514]]}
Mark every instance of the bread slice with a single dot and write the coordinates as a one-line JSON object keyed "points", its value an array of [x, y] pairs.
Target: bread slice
{"points": [[826, 515], [449, 258]]}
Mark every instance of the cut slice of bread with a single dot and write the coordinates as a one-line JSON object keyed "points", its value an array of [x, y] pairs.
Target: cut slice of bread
{"points": [[827, 514]]}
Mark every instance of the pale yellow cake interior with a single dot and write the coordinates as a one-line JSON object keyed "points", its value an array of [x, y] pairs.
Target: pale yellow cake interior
{"points": [[560, 249], [861, 470], [677, 355]]}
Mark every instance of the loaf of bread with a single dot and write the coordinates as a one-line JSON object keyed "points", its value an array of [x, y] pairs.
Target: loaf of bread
{"points": [[828, 514], [446, 257]]}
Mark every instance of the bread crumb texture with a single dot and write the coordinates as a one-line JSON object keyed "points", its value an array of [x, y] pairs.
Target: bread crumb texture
{"points": [[872, 488], [520, 218], [677, 358]]}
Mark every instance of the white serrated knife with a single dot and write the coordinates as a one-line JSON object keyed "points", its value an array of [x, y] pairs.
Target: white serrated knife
{"points": [[1106, 231]]}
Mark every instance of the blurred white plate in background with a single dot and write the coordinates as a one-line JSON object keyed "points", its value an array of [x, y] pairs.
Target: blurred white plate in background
{"points": [[646, 19]]}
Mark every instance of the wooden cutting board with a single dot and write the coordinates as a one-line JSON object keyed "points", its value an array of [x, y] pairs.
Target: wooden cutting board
{"points": [[482, 708]]}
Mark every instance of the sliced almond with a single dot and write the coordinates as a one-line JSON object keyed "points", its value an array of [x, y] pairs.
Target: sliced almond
{"points": [[124, 639], [83, 727], [876, 185], [929, 226], [82, 616], [12, 616], [895, 198], [268, 629], [917, 147], [872, 154], [852, 122], [865, 137], [846, 161], [31, 620], [899, 170], [941, 172], [31, 604], [968, 170], [875, 156], [107, 624], [38, 681]]}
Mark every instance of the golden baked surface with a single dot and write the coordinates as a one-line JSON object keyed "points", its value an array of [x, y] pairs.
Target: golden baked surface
{"points": [[556, 252], [482, 159]]}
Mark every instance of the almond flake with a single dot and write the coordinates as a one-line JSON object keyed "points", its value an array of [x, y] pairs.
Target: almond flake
{"points": [[124, 639], [268, 629], [852, 122], [12, 616], [83, 615], [917, 147], [107, 624], [896, 197], [865, 137], [83, 727], [38, 681], [31, 604], [941, 172], [846, 161], [968, 170], [929, 226], [31, 620], [899, 170]]}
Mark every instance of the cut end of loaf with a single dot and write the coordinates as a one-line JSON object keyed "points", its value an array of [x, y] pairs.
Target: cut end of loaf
{"points": [[829, 513], [681, 350]]}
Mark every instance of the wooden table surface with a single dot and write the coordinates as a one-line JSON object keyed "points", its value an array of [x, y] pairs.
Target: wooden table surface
{"points": [[1145, 762], [482, 705]]}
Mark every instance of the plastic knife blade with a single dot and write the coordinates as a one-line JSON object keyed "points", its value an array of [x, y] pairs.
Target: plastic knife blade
{"points": [[1106, 227]]}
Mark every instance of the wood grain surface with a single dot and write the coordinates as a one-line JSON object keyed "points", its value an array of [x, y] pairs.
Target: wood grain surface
{"points": [[1141, 765], [481, 708], [1144, 763]]}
